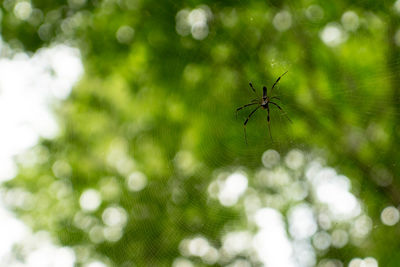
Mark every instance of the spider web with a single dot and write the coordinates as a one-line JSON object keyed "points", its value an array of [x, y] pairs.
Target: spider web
{"points": [[349, 100], [272, 185]]}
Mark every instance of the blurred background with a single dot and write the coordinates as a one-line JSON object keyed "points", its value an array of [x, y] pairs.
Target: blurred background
{"points": [[120, 144]]}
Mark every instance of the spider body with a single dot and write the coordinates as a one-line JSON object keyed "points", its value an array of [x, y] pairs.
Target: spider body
{"points": [[265, 102]]}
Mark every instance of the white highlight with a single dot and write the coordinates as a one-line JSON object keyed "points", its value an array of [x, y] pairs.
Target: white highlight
{"points": [[194, 21], [390, 216], [271, 243], [396, 6], [182, 262], [232, 188], [350, 21], [333, 190], [113, 234], [198, 246], [11, 231], [37, 251], [136, 181], [95, 264], [302, 223], [23, 10], [115, 216], [332, 204], [62, 257], [236, 242], [270, 158], [361, 227], [367, 262], [333, 35], [90, 200], [294, 159], [322, 240], [304, 253], [27, 86], [282, 21], [339, 238]]}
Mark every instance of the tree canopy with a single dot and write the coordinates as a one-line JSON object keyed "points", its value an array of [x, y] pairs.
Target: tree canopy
{"points": [[149, 133]]}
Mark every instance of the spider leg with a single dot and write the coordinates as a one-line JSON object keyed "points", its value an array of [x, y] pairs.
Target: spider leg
{"points": [[284, 113], [251, 85], [275, 97], [245, 122], [239, 108], [277, 80], [269, 124]]}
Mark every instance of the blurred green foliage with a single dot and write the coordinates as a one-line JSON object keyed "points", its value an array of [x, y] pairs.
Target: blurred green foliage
{"points": [[156, 100]]}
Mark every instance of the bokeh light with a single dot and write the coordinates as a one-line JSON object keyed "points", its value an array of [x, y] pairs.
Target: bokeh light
{"points": [[182, 262], [301, 222], [125, 34], [232, 188], [390, 216], [194, 21], [350, 21], [23, 10], [115, 216], [90, 200], [272, 235], [314, 13], [332, 218], [339, 238], [322, 240], [367, 262], [270, 158], [48, 74], [282, 21], [333, 34], [235, 243], [136, 181]]}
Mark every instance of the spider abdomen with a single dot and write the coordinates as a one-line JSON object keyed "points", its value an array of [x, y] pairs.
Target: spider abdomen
{"points": [[264, 104]]}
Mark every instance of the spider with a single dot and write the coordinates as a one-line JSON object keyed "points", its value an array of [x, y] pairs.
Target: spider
{"points": [[263, 102]]}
